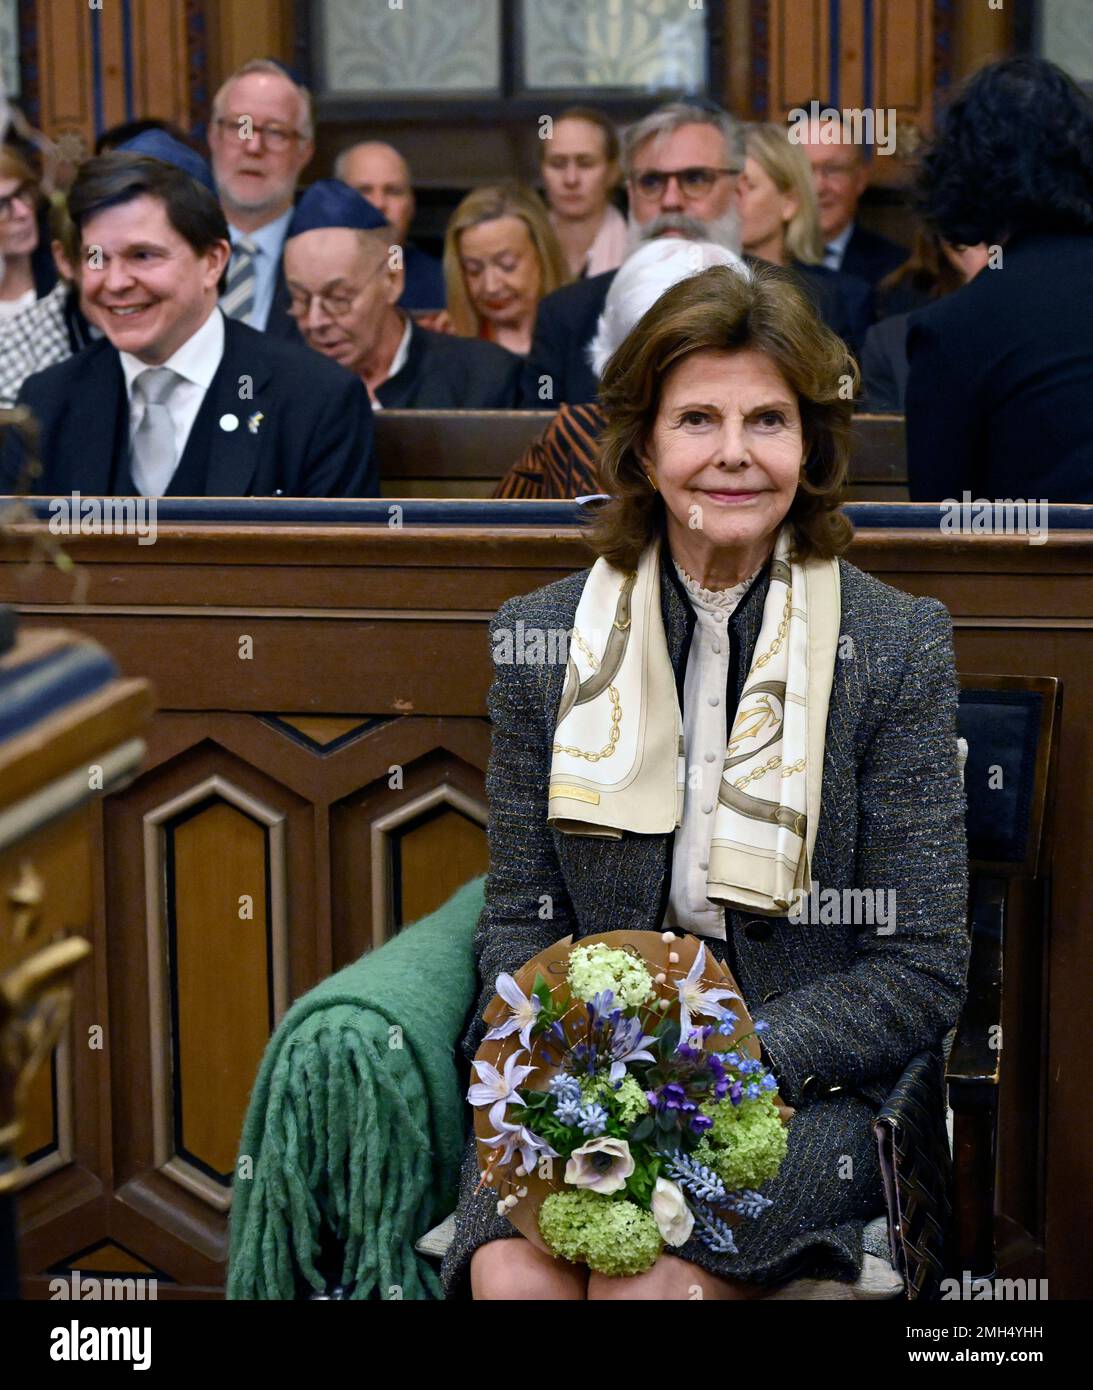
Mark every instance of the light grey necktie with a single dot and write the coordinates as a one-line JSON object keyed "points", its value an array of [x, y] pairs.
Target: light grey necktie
{"points": [[237, 300], [153, 459]]}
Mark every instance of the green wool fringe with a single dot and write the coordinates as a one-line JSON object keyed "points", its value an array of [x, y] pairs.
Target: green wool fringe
{"points": [[348, 1133]]}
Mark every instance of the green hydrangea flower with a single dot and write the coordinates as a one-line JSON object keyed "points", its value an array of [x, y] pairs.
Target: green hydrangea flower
{"points": [[627, 1104], [599, 967], [746, 1143], [610, 1236]]}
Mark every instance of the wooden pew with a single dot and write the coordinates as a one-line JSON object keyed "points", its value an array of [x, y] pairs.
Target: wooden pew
{"points": [[315, 777], [464, 453]]}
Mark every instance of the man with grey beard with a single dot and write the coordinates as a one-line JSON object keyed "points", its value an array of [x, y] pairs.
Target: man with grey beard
{"points": [[681, 164]]}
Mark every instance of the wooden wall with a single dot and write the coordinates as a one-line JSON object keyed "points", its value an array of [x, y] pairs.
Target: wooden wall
{"points": [[85, 68], [315, 777]]}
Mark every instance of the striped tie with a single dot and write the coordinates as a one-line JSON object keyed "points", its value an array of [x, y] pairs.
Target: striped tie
{"points": [[238, 299]]}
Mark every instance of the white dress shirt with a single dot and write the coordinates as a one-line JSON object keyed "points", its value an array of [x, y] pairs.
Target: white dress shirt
{"points": [[705, 738], [402, 352], [196, 362]]}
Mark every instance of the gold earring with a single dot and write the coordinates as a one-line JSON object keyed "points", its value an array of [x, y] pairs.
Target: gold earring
{"points": [[649, 480]]}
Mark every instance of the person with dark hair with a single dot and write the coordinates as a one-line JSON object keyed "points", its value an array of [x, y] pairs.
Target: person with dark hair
{"points": [[159, 407], [116, 137], [933, 270], [1000, 390], [705, 753], [579, 166]]}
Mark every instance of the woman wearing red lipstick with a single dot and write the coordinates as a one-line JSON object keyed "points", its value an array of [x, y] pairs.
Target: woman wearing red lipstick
{"points": [[815, 711], [501, 256]]}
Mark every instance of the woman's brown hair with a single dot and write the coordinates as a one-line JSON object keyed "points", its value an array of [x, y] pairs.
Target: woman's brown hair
{"points": [[14, 166], [724, 309]]}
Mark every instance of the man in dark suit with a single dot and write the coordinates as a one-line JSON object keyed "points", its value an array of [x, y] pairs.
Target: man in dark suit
{"points": [[841, 177], [681, 163], [177, 400], [345, 286], [261, 138], [1000, 390]]}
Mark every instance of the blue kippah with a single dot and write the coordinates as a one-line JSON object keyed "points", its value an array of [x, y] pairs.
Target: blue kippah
{"points": [[331, 203], [157, 144]]}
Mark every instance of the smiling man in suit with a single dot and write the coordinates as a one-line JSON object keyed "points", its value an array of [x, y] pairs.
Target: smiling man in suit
{"points": [[177, 400]]}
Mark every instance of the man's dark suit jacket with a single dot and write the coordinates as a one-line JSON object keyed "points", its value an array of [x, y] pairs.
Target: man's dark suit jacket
{"points": [[314, 437], [870, 256], [884, 366], [280, 323], [442, 372], [1000, 392], [557, 368], [844, 302], [424, 280]]}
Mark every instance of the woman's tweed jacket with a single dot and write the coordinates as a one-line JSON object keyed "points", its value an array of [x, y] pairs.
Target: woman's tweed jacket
{"points": [[847, 1005]]}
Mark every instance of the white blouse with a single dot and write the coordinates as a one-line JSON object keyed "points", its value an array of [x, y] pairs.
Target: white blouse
{"points": [[704, 738]]}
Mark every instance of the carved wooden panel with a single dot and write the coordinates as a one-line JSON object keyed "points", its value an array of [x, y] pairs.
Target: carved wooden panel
{"points": [[380, 810]]}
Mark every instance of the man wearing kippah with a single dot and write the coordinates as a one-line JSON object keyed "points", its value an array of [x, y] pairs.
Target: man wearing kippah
{"points": [[178, 399], [345, 277]]}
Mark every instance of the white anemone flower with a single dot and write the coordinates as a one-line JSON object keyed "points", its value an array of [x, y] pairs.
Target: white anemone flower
{"points": [[525, 1010], [694, 999], [493, 1086]]}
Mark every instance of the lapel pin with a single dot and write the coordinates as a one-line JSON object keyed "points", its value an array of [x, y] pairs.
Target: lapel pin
{"points": [[254, 421], [229, 423]]}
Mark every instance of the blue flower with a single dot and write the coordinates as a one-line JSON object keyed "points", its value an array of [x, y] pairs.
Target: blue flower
{"points": [[592, 1119], [564, 1087], [628, 1044], [568, 1112]]}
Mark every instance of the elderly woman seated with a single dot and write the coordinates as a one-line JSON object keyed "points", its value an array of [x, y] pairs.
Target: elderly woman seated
{"points": [[815, 711], [562, 461]]}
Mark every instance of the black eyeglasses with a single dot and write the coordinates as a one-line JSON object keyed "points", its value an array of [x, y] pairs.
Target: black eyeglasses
{"points": [[23, 194], [694, 182], [274, 137]]}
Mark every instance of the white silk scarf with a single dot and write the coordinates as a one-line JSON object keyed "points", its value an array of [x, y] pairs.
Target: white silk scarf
{"points": [[618, 759]]}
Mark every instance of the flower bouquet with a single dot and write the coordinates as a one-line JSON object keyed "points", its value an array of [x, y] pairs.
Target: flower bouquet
{"points": [[610, 1121]]}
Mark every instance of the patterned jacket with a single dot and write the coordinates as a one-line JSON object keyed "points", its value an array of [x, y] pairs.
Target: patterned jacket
{"points": [[847, 1005], [49, 330]]}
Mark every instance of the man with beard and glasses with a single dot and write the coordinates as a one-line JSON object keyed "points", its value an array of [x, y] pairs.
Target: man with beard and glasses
{"points": [[261, 138], [681, 165]]}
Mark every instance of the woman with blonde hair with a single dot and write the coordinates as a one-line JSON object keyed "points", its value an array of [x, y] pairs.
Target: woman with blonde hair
{"points": [[780, 223], [501, 256]]}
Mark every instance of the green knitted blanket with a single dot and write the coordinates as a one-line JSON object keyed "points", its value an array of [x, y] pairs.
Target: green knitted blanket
{"points": [[356, 1120]]}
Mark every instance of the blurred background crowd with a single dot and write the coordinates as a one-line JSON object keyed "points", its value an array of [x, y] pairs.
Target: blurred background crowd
{"points": [[964, 293]]}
